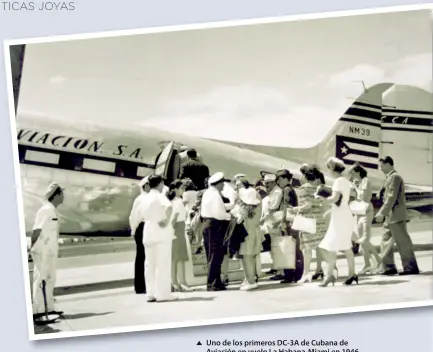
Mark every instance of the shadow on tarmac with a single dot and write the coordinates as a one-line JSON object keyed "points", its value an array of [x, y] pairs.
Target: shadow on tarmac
{"points": [[195, 299], [45, 330], [83, 315]]}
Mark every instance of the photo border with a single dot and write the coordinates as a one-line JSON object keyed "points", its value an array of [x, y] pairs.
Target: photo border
{"points": [[164, 29]]}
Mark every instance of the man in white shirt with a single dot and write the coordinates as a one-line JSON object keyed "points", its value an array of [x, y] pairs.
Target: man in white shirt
{"points": [[136, 224], [158, 234], [229, 192], [44, 250], [215, 223]]}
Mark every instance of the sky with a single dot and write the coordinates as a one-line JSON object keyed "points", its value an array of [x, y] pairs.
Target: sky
{"points": [[283, 84]]}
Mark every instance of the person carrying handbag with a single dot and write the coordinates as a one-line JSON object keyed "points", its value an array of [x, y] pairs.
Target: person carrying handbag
{"points": [[247, 213], [290, 200], [363, 211], [308, 216]]}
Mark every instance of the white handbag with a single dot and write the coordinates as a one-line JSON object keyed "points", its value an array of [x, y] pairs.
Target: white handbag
{"points": [[304, 224], [283, 249], [358, 207]]}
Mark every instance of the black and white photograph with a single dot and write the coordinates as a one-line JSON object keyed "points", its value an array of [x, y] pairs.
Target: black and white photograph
{"points": [[220, 173]]}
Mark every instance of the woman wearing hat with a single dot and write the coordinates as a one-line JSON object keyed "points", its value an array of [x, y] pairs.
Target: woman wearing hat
{"points": [[241, 183], [247, 211]]}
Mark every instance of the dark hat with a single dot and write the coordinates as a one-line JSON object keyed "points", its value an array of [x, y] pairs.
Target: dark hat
{"points": [[284, 173], [191, 152]]}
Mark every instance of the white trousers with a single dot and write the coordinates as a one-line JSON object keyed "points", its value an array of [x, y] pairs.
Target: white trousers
{"points": [[44, 270], [157, 270]]}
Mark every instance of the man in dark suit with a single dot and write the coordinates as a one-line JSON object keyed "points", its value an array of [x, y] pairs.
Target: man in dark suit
{"points": [[195, 170], [394, 215]]}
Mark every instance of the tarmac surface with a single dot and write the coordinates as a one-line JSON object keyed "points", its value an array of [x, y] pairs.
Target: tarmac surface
{"points": [[122, 308], [95, 290], [115, 268]]}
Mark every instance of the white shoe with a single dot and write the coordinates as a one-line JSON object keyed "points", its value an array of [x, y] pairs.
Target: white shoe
{"points": [[168, 299], [249, 287], [306, 278], [186, 288]]}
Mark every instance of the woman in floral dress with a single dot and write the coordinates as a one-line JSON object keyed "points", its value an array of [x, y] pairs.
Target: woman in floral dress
{"points": [[310, 207]]}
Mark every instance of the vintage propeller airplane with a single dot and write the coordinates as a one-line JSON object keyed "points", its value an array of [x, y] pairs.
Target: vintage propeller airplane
{"points": [[99, 166]]}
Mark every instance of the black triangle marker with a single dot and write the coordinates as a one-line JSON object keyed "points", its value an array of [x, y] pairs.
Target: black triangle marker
{"points": [[199, 343]]}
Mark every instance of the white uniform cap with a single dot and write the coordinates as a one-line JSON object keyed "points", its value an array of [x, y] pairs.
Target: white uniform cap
{"points": [[215, 178], [238, 176], [52, 188], [144, 181], [270, 178]]}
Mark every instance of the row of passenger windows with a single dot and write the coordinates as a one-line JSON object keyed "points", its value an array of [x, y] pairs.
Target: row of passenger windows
{"points": [[76, 162]]}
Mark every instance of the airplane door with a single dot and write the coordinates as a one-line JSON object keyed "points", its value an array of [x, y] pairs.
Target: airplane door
{"points": [[162, 166]]}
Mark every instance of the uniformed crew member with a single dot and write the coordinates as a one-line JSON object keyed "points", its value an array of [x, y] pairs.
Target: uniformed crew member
{"points": [[158, 235], [215, 224], [137, 224], [44, 251]]}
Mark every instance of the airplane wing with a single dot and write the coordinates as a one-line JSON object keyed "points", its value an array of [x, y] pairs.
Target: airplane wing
{"points": [[418, 196]]}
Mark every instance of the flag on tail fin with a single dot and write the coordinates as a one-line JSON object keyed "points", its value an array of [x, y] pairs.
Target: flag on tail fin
{"points": [[352, 150]]}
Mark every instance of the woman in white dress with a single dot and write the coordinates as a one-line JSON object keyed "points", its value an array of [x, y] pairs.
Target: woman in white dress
{"points": [[363, 222], [339, 234]]}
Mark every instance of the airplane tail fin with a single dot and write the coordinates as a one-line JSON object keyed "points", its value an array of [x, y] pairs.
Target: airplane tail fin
{"points": [[356, 136], [386, 120], [407, 131]]}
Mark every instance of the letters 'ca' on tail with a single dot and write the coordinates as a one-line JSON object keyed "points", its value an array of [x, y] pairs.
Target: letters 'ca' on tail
{"points": [[356, 136], [407, 130]]}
